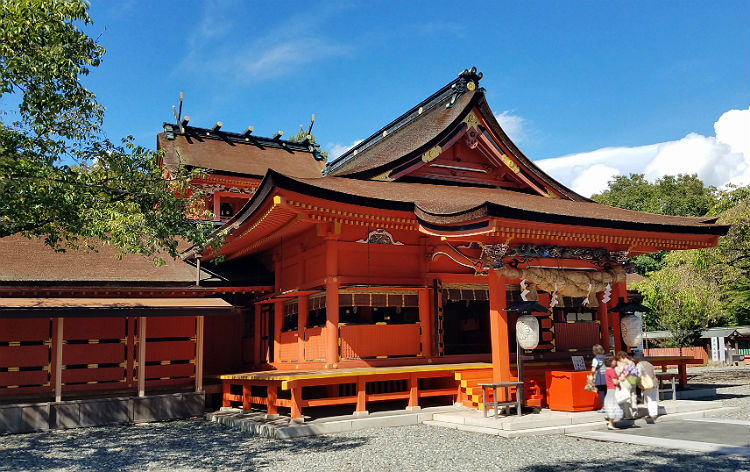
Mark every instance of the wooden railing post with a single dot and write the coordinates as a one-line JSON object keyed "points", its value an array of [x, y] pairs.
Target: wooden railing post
{"points": [[199, 323], [296, 396], [271, 400], [361, 407], [59, 359], [603, 317], [332, 304], [425, 322], [257, 355], [141, 356], [278, 321], [499, 329], [302, 311], [413, 392]]}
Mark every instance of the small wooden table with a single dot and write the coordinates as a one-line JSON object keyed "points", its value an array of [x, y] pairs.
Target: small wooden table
{"points": [[663, 377], [506, 404], [680, 361]]}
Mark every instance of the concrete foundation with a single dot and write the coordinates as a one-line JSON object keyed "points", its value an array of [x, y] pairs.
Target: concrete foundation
{"points": [[30, 417]]}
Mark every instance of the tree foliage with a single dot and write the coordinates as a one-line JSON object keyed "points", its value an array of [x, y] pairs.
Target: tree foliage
{"points": [[699, 288], [681, 298], [691, 290], [681, 195], [303, 135], [60, 179]]}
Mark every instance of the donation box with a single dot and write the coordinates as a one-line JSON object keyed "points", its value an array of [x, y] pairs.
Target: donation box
{"points": [[565, 391]]}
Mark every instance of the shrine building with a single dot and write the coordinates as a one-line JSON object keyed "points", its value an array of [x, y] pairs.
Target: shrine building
{"points": [[382, 275]]}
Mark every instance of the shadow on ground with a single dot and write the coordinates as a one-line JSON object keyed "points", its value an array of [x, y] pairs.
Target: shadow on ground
{"points": [[192, 443], [648, 461]]}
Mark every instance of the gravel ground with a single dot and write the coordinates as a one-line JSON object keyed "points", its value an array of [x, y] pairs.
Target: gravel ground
{"points": [[732, 387], [199, 445]]}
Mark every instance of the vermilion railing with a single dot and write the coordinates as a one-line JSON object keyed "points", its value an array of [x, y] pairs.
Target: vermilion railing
{"points": [[697, 352], [288, 346], [97, 354], [578, 335], [315, 344], [361, 341]]}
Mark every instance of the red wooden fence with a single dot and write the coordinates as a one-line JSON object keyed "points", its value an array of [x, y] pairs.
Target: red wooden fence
{"points": [[288, 346], [579, 335], [361, 341], [97, 354], [697, 352]]}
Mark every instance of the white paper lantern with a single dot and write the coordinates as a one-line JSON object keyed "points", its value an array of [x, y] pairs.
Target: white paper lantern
{"points": [[527, 331], [631, 330]]}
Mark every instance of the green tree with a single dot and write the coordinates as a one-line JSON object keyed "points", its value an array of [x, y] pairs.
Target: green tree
{"points": [[59, 178], [303, 135], [728, 264], [699, 288], [682, 299], [681, 195]]}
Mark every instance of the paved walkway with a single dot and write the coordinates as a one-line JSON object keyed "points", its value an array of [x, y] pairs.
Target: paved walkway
{"points": [[718, 436]]}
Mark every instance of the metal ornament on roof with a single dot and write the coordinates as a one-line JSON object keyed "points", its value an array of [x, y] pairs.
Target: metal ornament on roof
{"points": [[524, 291], [586, 300], [527, 331], [631, 330], [531, 306], [492, 255], [380, 236], [553, 301], [628, 307], [565, 252]]}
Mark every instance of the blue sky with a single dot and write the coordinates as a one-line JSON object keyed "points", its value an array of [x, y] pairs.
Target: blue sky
{"points": [[568, 78]]}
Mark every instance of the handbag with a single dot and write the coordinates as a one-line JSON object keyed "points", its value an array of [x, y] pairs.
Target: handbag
{"points": [[647, 383], [622, 395], [590, 386]]}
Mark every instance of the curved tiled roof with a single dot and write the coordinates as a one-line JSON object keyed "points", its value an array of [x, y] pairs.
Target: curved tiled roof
{"points": [[450, 205], [248, 159]]}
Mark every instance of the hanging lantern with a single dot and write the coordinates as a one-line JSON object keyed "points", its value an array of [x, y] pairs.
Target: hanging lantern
{"points": [[527, 331], [631, 330]]}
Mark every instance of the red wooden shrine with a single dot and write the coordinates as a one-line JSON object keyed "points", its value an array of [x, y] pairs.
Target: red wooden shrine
{"points": [[384, 274]]}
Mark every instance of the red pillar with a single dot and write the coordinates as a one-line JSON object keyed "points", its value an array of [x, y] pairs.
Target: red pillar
{"points": [[413, 391], [603, 317], [302, 310], [619, 291], [424, 322], [258, 357], [361, 395], [499, 329], [332, 304], [296, 396], [278, 320], [272, 396]]}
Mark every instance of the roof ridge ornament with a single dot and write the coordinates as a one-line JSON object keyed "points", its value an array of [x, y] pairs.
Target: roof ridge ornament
{"points": [[467, 82]]}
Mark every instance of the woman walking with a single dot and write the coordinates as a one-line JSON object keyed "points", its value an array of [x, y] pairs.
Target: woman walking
{"points": [[597, 370], [613, 409], [649, 389]]}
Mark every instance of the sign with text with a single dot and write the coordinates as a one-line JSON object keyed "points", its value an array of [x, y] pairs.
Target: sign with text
{"points": [[578, 363]]}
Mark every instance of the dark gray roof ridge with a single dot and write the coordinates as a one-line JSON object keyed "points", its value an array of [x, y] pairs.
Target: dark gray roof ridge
{"points": [[450, 91]]}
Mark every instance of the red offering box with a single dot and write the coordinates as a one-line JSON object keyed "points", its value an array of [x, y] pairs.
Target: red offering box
{"points": [[565, 391]]}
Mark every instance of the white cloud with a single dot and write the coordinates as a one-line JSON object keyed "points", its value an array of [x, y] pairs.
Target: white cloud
{"points": [[513, 125], [258, 50], [718, 160], [336, 149], [593, 179], [282, 58]]}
